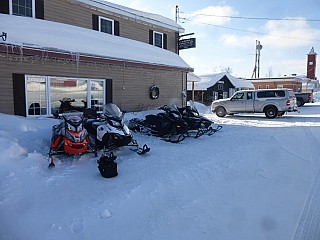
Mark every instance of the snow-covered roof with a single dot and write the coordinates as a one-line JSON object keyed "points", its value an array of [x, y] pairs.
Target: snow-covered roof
{"points": [[48, 35], [191, 77], [211, 79], [300, 78], [132, 13]]}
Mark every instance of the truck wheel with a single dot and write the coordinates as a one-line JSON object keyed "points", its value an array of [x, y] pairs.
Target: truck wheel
{"points": [[271, 112], [300, 102], [221, 111]]}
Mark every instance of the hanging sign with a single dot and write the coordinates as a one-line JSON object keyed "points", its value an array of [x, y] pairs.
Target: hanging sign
{"points": [[187, 43]]}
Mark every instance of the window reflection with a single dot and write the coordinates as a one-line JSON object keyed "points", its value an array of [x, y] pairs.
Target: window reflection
{"points": [[36, 95], [67, 88]]}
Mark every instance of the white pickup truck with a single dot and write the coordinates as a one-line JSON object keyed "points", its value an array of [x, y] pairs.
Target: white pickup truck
{"points": [[272, 102]]}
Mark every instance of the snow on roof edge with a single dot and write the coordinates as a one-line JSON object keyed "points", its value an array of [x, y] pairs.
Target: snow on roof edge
{"points": [[209, 80], [136, 14], [48, 35]]}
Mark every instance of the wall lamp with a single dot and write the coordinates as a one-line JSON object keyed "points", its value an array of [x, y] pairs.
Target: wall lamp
{"points": [[4, 36]]}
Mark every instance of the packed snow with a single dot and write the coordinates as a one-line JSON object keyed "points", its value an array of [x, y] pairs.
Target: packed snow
{"points": [[257, 178]]}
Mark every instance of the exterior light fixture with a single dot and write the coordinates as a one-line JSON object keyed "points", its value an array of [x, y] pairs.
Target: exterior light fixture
{"points": [[4, 36]]}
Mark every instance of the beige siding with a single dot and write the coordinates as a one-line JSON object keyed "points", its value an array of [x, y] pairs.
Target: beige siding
{"points": [[64, 11], [130, 87]]}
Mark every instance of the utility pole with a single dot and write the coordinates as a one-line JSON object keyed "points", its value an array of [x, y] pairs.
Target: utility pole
{"points": [[256, 69], [177, 13]]}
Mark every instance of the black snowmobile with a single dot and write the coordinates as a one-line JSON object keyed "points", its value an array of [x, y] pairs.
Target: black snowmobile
{"points": [[167, 124], [197, 124], [108, 132]]}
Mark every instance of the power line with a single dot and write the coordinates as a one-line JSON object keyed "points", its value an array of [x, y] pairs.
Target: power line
{"points": [[252, 18], [248, 31]]}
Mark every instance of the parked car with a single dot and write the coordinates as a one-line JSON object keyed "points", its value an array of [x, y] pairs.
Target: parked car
{"points": [[272, 102], [303, 98]]}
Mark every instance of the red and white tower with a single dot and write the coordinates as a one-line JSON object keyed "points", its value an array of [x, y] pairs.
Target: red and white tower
{"points": [[311, 64]]}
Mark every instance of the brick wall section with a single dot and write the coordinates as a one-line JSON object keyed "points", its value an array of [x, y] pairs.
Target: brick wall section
{"points": [[272, 85]]}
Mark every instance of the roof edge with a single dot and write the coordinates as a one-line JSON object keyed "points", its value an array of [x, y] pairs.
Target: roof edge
{"points": [[12, 49]]}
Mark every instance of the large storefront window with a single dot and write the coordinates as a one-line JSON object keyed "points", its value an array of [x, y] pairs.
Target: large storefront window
{"points": [[44, 93]]}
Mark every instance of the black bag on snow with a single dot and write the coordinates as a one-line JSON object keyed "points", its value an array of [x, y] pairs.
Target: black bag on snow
{"points": [[108, 168]]}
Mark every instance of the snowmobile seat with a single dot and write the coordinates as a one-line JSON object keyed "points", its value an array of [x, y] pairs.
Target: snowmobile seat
{"points": [[153, 120]]}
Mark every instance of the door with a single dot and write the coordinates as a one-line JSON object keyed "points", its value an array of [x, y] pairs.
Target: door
{"points": [[249, 102], [237, 103]]}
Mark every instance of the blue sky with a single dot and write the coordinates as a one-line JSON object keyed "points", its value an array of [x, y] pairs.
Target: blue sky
{"points": [[224, 42]]}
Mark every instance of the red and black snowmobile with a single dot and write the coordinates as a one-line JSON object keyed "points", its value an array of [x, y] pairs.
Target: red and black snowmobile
{"points": [[69, 136]]}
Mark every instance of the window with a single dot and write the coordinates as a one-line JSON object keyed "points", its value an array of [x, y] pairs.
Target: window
{"points": [[106, 25], [43, 93], [280, 86], [22, 7], [220, 86], [238, 96], [249, 95], [67, 87], [267, 87], [158, 39], [259, 87], [36, 95], [270, 94]]}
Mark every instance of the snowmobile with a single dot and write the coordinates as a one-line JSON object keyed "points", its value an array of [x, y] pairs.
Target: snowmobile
{"points": [[66, 106], [69, 136], [168, 124], [197, 124], [108, 132]]}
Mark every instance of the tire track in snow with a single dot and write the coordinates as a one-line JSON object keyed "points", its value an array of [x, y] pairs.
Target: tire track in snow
{"points": [[309, 225]]}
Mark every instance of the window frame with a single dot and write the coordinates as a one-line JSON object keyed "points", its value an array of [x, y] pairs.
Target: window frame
{"points": [[48, 91], [106, 19], [33, 6], [154, 39]]}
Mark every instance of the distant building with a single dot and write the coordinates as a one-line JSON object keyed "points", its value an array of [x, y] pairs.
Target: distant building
{"points": [[292, 82], [306, 83], [217, 86]]}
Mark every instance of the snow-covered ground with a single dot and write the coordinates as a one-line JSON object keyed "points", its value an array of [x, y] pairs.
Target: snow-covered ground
{"points": [[255, 179]]}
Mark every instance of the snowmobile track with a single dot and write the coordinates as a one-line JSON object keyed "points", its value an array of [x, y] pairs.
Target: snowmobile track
{"points": [[309, 224]]}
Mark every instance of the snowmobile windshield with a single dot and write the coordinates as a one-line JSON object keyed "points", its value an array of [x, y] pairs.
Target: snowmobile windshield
{"points": [[73, 115], [174, 111], [192, 107], [112, 110]]}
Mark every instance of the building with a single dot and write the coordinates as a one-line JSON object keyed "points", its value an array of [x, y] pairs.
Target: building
{"points": [[292, 82], [306, 83], [216, 86], [93, 51]]}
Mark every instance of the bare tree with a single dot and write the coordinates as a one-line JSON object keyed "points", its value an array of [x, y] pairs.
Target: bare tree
{"points": [[270, 73], [226, 69]]}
